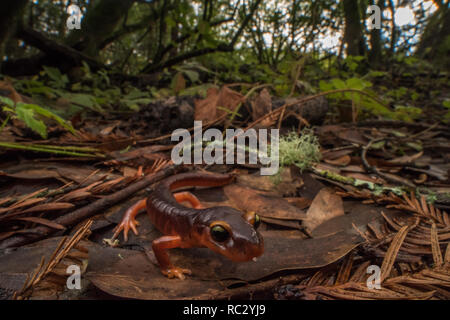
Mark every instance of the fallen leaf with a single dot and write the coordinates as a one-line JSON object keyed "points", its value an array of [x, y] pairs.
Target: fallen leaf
{"points": [[299, 202], [178, 83], [364, 177], [334, 154], [341, 161], [352, 135], [207, 109], [49, 207], [22, 204], [43, 221], [406, 159], [134, 276], [247, 199], [261, 105], [326, 205], [287, 184], [33, 174], [129, 172]]}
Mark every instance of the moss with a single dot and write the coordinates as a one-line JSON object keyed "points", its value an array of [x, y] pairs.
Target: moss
{"points": [[302, 151]]}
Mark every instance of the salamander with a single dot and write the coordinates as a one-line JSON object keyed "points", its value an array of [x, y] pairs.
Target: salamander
{"points": [[222, 229]]}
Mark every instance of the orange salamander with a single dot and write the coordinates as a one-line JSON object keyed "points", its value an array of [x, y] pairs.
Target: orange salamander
{"points": [[222, 229]]}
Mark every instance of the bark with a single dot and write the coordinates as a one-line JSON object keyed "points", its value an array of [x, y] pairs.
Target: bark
{"points": [[435, 42], [353, 36], [10, 17], [375, 54], [100, 22], [53, 54]]}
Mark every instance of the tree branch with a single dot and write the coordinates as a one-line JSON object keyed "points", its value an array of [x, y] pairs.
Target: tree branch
{"points": [[186, 36], [53, 49], [153, 67], [188, 55]]}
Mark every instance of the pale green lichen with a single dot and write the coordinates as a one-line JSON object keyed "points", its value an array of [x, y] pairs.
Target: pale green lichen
{"points": [[302, 151]]}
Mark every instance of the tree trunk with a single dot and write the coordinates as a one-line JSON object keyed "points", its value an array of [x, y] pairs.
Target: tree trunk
{"points": [[10, 15], [375, 54], [435, 42], [353, 35], [99, 23]]}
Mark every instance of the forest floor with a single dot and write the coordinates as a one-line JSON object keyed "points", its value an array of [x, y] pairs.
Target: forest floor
{"points": [[377, 200]]}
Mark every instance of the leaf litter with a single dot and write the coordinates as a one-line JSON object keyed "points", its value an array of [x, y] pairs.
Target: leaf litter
{"points": [[321, 231]]}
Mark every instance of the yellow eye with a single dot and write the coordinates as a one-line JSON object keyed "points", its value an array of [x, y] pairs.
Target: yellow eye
{"points": [[252, 218], [219, 233], [257, 221]]}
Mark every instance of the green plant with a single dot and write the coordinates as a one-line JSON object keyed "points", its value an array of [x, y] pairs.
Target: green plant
{"points": [[29, 114], [358, 91], [57, 80], [446, 104]]}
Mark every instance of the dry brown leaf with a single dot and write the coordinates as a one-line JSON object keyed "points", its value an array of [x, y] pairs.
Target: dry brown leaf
{"points": [[31, 195], [28, 202], [331, 154], [288, 184], [325, 206], [392, 252], [262, 104], [345, 270], [437, 255], [49, 207], [422, 178], [5, 200], [447, 254], [7, 86], [406, 159], [129, 172], [75, 195], [7, 234], [341, 161], [246, 199], [33, 174], [364, 177], [207, 109], [179, 83], [43, 221], [299, 202]]}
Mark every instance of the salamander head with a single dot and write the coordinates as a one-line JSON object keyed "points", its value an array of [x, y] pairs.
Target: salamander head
{"points": [[226, 231]]}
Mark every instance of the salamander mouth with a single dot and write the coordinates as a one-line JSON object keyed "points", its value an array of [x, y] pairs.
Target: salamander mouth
{"points": [[248, 252], [247, 257]]}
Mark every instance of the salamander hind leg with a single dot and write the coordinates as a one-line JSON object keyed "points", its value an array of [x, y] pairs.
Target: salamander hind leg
{"points": [[129, 220], [189, 197], [160, 247]]}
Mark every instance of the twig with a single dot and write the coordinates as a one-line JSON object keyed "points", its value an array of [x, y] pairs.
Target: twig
{"points": [[88, 211], [303, 100], [40, 273], [374, 169]]}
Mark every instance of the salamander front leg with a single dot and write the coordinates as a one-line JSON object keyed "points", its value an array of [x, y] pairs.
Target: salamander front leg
{"points": [[129, 220], [160, 247]]}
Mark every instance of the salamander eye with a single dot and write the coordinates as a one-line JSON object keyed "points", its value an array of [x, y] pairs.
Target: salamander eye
{"points": [[257, 221], [219, 233], [252, 218]]}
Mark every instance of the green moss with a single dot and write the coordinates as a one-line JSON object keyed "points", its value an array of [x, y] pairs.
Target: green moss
{"points": [[302, 151]]}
